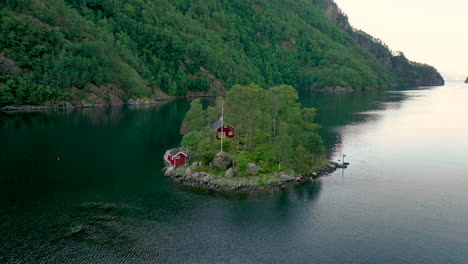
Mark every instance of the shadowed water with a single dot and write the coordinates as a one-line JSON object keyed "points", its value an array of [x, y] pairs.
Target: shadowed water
{"points": [[404, 198]]}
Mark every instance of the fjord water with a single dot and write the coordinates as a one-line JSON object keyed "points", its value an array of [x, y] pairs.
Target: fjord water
{"points": [[403, 199]]}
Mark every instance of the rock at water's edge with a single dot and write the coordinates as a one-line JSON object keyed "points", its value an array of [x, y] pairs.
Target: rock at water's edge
{"points": [[170, 172]]}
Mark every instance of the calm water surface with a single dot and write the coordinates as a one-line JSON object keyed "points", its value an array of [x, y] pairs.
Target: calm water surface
{"points": [[404, 198]]}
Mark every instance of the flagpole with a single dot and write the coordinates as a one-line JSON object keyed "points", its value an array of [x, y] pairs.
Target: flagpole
{"points": [[222, 125]]}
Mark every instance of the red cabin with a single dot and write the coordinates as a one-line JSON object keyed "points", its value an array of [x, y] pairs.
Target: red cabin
{"points": [[223, 129], [176, 157]]}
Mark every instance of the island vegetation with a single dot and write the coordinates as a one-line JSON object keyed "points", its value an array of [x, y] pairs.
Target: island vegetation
{"points": [[275, 139], [99, 52]]}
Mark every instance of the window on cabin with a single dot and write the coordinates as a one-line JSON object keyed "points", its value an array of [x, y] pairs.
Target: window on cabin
{"points": [[221, 134], [178, 157], [230, 133], [225, 126]]}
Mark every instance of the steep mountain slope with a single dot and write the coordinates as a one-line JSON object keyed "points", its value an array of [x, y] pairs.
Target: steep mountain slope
{"points": [[404, 72], [109, 51]]}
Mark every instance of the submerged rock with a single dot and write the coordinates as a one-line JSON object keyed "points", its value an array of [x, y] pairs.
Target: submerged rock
{"points": [[97, 205]]}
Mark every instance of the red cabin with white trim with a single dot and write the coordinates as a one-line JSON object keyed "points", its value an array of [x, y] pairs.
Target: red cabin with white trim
{"points": [[223, 130], [176, 157]]}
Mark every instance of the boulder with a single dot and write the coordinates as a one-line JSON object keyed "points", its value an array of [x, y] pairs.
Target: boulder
{"points": [[188, 171], [207, 178], [222, 160], [170, 172], [230, 173], [253, 168], [195, 175], [195, 164], [285, 177]]}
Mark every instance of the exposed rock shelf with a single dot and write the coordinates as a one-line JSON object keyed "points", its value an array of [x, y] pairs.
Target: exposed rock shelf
{"points": [[194, 178]]}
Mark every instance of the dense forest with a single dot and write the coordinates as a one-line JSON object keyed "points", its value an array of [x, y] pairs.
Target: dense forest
{"points": [[86, 52]]}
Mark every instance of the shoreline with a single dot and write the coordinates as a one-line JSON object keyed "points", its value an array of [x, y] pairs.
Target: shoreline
{"points": [[204, 179], [69, 106], [61, 107]]}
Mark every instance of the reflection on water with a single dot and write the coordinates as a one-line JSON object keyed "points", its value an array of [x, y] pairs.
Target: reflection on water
{"points": [[402, 200]]}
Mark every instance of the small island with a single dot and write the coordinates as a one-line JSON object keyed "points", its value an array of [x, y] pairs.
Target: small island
{"points": [[252, 139], [466, 81]]}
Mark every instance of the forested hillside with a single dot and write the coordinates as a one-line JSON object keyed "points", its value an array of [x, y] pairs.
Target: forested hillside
{"points": [[87, 52]]}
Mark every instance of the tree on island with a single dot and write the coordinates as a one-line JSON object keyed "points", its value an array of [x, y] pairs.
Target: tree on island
{"points": [[194, 119], [272, 130]]}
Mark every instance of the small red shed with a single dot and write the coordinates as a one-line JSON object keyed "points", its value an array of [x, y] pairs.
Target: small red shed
{"points": [[223, 129], [176, 157]]}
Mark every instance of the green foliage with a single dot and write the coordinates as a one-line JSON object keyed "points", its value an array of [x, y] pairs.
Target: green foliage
{"points": [[202, 145], [194, 119], [181, 46], [271, 130]]}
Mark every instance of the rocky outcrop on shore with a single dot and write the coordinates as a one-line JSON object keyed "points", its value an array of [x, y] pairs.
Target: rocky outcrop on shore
{"points": [[466, 81], [194, 178]]}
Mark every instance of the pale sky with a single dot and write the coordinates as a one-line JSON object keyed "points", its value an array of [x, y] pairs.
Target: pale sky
{"points": [[427, 31]]}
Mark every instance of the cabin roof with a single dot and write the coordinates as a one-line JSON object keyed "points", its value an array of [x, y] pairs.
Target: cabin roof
{"points": [[173, 152], [218, 124]]}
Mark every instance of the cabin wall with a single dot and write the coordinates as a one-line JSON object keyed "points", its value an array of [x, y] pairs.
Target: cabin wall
{"points": [[227, 130], [179, 162]]}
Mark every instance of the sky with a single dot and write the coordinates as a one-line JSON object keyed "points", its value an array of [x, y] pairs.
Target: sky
{"points": [[427, 31]]}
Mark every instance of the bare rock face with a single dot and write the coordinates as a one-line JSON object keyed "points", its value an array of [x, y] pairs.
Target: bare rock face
{"points": [[170, 172], [466, 81], [230, 173], [253, 168], [222, 160]]}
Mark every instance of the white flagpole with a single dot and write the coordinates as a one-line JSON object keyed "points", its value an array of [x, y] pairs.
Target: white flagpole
{"points": [[222, 125]]}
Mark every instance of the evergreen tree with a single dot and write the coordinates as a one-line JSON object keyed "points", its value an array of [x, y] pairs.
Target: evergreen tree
{"points": [[194, 119]]}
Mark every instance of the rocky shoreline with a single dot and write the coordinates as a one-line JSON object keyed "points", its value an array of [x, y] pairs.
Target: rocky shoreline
{"points": [[205, 180], [68, 106]]}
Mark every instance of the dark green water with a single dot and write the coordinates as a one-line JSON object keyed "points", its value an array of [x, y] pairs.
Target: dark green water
{"points": [[404, 199]]}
